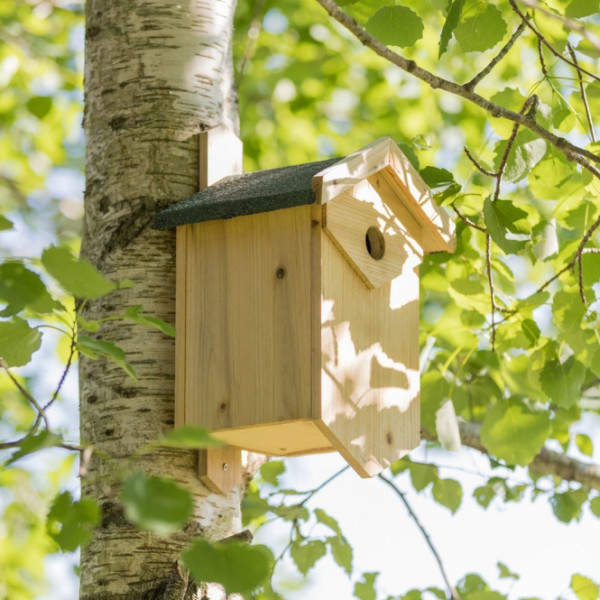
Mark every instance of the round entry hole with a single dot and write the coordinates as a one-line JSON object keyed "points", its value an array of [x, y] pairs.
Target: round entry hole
{"points": [[375, 243]]}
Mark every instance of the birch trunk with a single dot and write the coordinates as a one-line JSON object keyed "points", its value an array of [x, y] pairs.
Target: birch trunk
{"points": [[156, 73]]}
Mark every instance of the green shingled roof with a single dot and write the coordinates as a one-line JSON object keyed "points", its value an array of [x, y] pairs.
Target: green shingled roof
{"points": [[251, 193]]}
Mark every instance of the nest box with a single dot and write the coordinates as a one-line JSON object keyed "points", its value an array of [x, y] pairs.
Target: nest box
{"points": [[298, 306]]}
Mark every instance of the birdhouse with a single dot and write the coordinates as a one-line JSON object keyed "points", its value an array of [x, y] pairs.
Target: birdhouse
{"points": [[298, 306]]}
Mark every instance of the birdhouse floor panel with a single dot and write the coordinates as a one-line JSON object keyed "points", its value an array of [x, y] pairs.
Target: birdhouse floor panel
{"points": [[279, 439]]}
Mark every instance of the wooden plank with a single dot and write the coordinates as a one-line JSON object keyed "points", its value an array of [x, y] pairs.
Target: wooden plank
{"points": [[220, 155], [220, 469], [249, 323], [370, 365]]}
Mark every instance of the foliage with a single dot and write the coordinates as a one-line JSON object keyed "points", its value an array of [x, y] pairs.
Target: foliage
{"points": [[494, 103]]}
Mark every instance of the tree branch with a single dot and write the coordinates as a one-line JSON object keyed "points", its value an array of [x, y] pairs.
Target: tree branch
{"points": [[471, 84], [571, 151], [451, 589], [540, 36], [571, 24], [547, 462]]}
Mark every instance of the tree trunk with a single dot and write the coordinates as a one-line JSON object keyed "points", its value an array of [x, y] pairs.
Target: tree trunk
{"points": [[157, 72]]}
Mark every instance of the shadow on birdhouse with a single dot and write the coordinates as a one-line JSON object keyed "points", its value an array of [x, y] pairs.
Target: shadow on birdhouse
{"points": [[298, 306]]}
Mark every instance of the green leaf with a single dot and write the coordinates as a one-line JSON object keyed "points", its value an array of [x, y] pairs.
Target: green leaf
{"points": [[71, 522], [306, 555], [271, 471], [35, 443], [396, 26], [440, 182], [21, 288], [291, 513], [190, 436], [562, 381], [76, 276], [422, 475], [526, 152], [448, 493], [595, 506], [582, 8], [18, 342], [584, 588], [342, 552], [238, 567], [450, 24], [500, 219], [531, 330], [95, 348], [584, 444], [365, 590], [505, 572], [39, 106], [133, 313], [155, 503], [513, 432], [566, 506], [5, 223], [481, 26], [327, 520]]}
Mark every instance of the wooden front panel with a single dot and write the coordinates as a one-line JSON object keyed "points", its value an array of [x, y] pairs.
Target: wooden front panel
{"points": [[248, 320], [370, 362]]}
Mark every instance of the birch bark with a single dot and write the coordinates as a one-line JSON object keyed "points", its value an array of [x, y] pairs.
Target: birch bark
{"points": [[156, 73]]}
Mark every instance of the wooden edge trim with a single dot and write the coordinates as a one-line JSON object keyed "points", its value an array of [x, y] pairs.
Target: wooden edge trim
{"points": [[344, 174]]}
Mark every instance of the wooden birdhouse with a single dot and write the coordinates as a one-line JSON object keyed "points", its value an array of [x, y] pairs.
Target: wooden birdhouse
{"points": [[298, 306]]}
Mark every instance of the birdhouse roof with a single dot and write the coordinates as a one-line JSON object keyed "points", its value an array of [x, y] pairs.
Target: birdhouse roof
{"points": [[251, 193], [318, 182]]}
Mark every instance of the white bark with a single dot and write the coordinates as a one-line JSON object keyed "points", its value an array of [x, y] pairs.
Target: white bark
{"points": [[157, 72]]}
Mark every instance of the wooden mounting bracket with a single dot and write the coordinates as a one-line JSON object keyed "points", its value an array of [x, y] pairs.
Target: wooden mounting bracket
{"points": [[220, 155]]}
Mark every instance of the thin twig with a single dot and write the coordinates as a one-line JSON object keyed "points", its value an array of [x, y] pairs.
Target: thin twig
{"points": [[468, 221], [580, 280], [581, 249], [66, 369], [488, 266], [451, 589], [322, 485], [515, 36], [26, 394], [477, 165], [541, 55], [558, 55], [572, 152], [569, 23], [588, 114], [253, 33], [528, 106]]}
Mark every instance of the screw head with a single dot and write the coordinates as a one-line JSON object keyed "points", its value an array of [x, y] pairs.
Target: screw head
{"points": [[225, 467]]}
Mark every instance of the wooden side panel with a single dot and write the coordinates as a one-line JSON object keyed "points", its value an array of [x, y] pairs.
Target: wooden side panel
{"points": [[180, 325], [370, 363], [249, 320]]}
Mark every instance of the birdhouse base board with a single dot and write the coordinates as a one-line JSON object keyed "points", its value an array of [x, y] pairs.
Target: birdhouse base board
{"points": [[278, 439]]}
